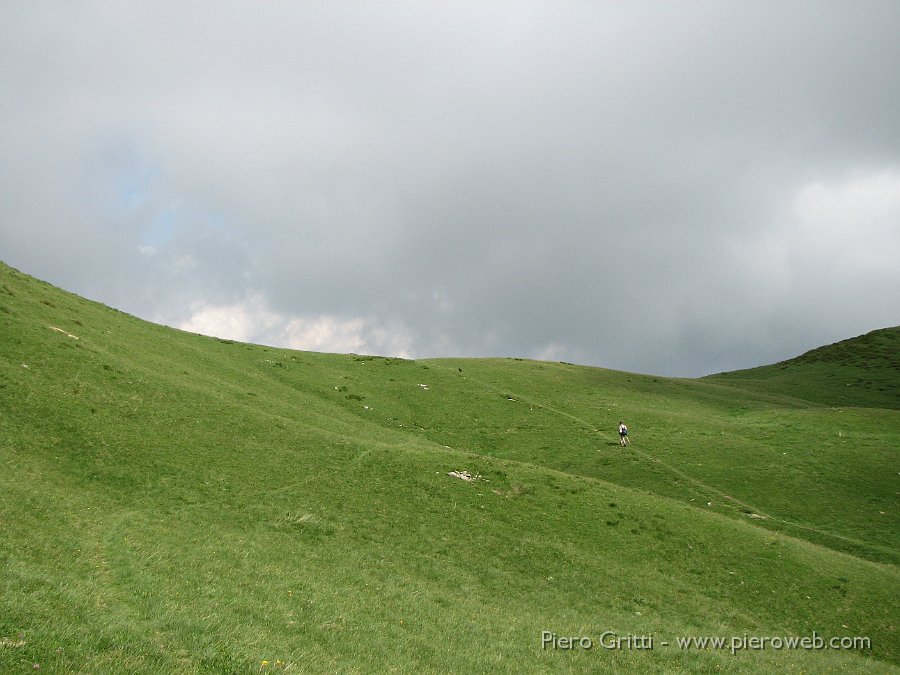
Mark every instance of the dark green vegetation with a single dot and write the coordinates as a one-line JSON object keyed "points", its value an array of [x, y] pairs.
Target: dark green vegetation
{"points": [[176, 503]]}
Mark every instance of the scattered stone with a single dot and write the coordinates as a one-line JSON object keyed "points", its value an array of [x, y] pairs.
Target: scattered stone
{"points": [[463, 475], [757, 516], [64, 332]]}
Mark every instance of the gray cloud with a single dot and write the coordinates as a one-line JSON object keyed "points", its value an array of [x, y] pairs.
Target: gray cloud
{"points": [[675, 189]]}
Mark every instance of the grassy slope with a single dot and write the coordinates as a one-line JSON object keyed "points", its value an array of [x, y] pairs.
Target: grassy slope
{"points": [[176, 503], [859, 371]]}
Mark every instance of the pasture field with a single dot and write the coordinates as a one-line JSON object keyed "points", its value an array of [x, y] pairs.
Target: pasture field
{"points": [[173, 503]]}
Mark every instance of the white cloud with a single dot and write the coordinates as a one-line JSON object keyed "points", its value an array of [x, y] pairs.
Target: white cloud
{"points": [[252, 320], [244, 321], [355, 335]]}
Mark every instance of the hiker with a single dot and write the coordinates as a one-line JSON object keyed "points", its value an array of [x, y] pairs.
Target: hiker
{"points": [[623, 434]]}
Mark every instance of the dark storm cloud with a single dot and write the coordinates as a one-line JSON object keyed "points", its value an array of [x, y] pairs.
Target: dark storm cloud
{"points": [[666, 188]]}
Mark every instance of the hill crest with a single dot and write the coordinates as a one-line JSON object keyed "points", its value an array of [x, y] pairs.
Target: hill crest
{"points": [[858, 371]]}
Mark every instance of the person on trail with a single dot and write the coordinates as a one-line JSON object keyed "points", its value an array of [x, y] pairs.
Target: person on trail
{"points": [[623, 434]]}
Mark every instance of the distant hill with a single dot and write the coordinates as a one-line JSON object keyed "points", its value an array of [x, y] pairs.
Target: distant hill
{"points": [[174, 503], [860, 371]]}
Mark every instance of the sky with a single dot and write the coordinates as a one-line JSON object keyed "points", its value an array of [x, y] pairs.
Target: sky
{"points": [[667, 188]]}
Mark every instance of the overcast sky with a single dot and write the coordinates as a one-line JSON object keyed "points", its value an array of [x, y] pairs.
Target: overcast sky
{"points": [[669, 188]]}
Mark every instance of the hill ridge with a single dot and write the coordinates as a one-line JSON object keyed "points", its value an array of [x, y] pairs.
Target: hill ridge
{"points": [[862, 370]]}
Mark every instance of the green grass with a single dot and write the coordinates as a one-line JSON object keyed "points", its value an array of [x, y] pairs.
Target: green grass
{"points": [[178, 504]]}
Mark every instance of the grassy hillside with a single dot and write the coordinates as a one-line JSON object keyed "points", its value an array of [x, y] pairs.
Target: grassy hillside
{"points": [[861, 371], [176, 503]]}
